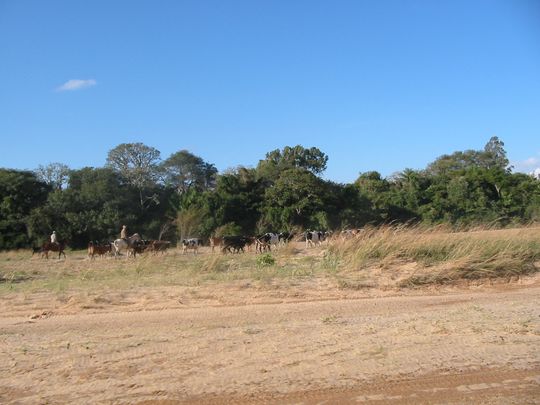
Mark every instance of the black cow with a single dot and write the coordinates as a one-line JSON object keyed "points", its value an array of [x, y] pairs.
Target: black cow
{"points": [[234, 244], [285, 237], [265, 242]]}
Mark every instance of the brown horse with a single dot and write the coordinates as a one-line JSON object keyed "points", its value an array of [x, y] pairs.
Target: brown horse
{"points": [[54, 247]]}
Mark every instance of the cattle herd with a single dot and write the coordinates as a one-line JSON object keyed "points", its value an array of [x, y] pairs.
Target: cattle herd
{"points": [[227, 244]]}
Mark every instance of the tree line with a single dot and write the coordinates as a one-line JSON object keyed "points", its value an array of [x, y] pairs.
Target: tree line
{"points": [[184, 196]]}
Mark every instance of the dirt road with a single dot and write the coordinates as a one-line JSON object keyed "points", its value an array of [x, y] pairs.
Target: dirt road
{"points": [[464, 345]]}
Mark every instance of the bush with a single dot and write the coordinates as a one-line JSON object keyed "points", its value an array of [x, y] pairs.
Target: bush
{"points": [[266, 260]]}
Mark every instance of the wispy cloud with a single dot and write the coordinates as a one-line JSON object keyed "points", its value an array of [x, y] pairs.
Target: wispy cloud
{"points": [[530, 165], [76, 84], [532, 161]]}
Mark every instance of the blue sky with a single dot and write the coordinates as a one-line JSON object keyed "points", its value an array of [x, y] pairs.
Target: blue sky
{"points": [[377, 85]]}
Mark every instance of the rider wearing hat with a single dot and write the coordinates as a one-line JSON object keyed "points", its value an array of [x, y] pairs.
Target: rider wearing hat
{"points": [[54, 238], [123, 233]]}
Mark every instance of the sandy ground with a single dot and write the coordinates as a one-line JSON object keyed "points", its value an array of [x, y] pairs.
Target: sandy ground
{"points": [[302, 344]]}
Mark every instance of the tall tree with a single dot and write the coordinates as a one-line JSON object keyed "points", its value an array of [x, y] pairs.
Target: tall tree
{"points": [[183, 171], [277, 161], [54, 174], [495, 154], [138, 165]]}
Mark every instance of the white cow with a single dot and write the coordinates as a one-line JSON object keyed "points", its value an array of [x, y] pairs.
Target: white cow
{"points": [[266, 241], [191, 244], [314, 238]]}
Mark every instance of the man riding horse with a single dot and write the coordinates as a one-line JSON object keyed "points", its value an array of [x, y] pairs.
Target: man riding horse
{"points": [[125, 242], [54, 245], [54, 238], [123, 233]]}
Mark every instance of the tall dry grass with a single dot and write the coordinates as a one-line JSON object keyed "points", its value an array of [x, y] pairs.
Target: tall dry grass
{"points": [[441, 255]]}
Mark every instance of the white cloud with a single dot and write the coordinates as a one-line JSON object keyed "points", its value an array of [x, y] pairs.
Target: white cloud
{"points": [[536, 173], [528, 165], [76, 84], [532, 161]]}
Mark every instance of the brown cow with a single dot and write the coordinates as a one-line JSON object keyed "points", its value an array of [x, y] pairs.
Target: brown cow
{"points": [[158, 246], [98, 249], [215, 241]]}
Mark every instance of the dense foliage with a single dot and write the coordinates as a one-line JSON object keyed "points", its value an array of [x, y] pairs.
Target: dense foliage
{"points": [[184, 196]]}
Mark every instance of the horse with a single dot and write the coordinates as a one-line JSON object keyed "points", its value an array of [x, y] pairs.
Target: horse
{"points": [[54, 247], [121, 244]]}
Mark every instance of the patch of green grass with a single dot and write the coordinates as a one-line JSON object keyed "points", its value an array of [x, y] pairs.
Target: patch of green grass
{"points": [[265, 260]]}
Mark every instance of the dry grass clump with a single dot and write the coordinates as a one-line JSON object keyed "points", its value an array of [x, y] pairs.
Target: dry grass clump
{"points": [[443, 256]]}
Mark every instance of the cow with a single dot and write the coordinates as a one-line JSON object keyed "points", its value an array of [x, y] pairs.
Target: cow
{"points": [[234, 244], [158, 246], [191, 244], [95, 248], [285, 237], [141, 246], [250, 241], [266, 241], [314, 238], [215, 241]]}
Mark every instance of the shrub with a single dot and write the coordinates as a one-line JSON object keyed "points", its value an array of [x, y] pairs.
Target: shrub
{"points": [[266, 260]]}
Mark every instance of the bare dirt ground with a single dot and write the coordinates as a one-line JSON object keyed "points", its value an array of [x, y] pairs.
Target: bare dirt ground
{"points": [[300, 344]]}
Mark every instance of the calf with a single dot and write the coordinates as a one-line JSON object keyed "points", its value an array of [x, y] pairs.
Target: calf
{"points": [[191, 244]]}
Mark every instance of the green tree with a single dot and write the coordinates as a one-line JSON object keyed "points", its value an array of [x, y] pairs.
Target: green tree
{"points": [[494, 155], [138, 165], [237, 199], [91, 207], [345, 207], [20, 192], [94, 205], [183, 171], [54, 174], [295, 199], [277, 161]]}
